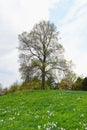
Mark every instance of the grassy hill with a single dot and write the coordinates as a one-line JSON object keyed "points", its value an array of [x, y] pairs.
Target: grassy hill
{"points": [[44, 110]]}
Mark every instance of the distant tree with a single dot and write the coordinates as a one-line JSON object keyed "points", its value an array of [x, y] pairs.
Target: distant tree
{"points": [[65, 84], [84, 84], [40, 52], [78, 84], [68, 81]]}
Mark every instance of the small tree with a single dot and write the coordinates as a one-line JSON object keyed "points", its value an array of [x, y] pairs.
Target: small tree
{"points": [[78, 84], [84, 84], [68, 80], [40, 52]]}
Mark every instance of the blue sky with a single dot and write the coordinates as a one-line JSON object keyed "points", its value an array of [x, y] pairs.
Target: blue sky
{"points": [[60, 11], [16, 16], [70, 17]]}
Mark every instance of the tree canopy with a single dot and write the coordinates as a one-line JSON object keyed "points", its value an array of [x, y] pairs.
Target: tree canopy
{"points": [[41, 54]]}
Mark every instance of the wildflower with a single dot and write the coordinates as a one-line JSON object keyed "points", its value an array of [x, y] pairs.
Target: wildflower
{"points": [[85, 128], [13, 117], [82, 115], [4, 112], [36, 116], [48, 128], [10, 119], [48, 111], [84, 124], [74, 109], [80, 123], [39, 127], [78, 98], [44, 125], [62, 129], [18, 114], [2, 120]]}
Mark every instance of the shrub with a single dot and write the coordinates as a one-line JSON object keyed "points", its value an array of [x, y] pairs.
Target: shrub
{"points": [[84, 84], [78, 84], [65, 84], [30, 85], [14, 87]]}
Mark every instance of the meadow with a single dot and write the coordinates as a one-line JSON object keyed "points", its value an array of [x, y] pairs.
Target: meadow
{"points": [[44, 110]]}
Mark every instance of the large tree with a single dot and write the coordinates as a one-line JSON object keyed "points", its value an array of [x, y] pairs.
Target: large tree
{"points": [[41, 54]]}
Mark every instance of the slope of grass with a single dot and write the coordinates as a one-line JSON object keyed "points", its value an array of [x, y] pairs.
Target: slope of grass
{"points": [[44, 110]]}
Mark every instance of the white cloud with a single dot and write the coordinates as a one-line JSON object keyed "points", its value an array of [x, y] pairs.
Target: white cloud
{"points": [[9, 67], [17, 16], [22, 14]]}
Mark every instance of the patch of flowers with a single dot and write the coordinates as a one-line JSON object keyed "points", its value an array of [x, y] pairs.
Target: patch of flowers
{"points": [[84, 126], [11, 118], [50, 126], [50, 114], [39, 127]]}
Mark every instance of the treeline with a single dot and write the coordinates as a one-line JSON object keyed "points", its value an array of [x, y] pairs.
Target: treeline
{"points": [[79, 84], [65, 84]]}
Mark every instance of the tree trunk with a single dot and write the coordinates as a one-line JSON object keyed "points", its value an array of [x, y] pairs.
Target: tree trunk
{"points": [[43, 67], [43, 78]]}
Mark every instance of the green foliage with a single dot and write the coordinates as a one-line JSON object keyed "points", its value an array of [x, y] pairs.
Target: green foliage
{"points": [[51, 82], [43, 110], [33, 84], [68, 81], [65, 84], [30, 85], [14, 87], [41, 54], [78, 84], [84, 84]]}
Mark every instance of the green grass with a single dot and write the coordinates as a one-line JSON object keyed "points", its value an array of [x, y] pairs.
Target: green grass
{"points": [[44, 110]]}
